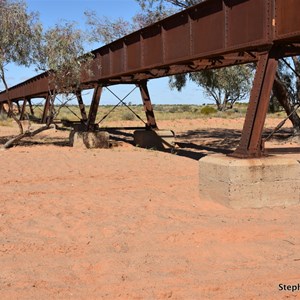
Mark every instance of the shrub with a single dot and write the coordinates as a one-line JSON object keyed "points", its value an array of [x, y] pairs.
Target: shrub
{"points": [[208, 110], [128, 116], [3, 116], [173, 109], [185, 108]]}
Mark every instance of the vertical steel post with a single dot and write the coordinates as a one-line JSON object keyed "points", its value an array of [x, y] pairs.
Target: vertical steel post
{"points": [[46, 109], [30, 106], [23, 109], [81, 106], [19, 107], [251, 139], [148, 108], [94, 107]]}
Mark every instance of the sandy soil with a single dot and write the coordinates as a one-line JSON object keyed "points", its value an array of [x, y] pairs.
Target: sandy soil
{"points": [[128, 223]]}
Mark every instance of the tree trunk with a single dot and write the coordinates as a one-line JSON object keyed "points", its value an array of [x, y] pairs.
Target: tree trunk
{"points": [[297, 69], [19, 137], [281, 93], [10, 104]]}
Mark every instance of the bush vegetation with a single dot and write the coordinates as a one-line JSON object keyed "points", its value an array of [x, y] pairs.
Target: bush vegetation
{"points": [[208, 110], [162, 112]]}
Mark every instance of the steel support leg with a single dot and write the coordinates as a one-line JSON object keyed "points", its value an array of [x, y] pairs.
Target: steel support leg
{"points": [[19, 107], [94, 108], [46, 109], [30, 106], [151, 122], [81, 106], [23, 109], [251, 140]]}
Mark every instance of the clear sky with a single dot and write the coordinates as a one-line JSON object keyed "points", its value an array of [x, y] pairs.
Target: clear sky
{"points": [[52, 11]]}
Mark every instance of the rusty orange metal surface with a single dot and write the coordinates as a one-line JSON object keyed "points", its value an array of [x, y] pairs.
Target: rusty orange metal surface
{"points": [[209, 29]]}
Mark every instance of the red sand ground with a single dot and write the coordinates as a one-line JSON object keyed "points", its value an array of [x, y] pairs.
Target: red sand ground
{"points": [[128, 223]]}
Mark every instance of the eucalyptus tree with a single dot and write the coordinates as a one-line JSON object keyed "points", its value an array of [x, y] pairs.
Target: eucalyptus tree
{"points": [[225, 86], [20, 34], [63, 56], [59, 51], [286, 89]]}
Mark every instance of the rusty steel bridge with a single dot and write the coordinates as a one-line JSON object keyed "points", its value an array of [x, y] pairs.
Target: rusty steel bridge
{"points": [[210, 35]]}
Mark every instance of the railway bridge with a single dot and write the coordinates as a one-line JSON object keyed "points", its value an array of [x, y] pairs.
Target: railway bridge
{"points": [[210, 35]]}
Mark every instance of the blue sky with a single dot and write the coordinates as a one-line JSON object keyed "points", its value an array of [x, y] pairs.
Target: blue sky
{"points": [[52, 11]]}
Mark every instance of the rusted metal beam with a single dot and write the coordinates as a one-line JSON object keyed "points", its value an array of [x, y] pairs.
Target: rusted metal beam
{"points": [[81, 106], [23, 110], [205, 31], [94, 107], [251, 140], [46, 109], [18, 107], [30, 106], [210, 35], [148, 108]]}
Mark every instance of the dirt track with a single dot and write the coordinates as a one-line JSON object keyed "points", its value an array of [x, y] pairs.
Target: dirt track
{"points": [[128, 223]]}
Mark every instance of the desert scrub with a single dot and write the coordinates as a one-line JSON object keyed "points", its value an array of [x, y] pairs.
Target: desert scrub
{"points": [[3, 117], [127, 116], [208, 110], [5, 121]]}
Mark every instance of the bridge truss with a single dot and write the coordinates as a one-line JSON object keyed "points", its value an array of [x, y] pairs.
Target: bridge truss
{"points": [[210, 35]]}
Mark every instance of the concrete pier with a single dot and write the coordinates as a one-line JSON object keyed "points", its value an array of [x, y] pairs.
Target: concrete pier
{"points": [[90, 140], [250, 183], [157, 139]]}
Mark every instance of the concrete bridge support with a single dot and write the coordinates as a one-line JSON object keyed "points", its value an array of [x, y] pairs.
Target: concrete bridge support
{"points": [[250, 183]]}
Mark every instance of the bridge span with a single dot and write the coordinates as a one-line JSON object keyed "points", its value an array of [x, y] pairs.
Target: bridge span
{"points": [[210, 35]]}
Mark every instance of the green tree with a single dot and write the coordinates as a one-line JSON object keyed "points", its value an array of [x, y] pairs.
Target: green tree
{"points": [[162, 4], [225, 86], [105, 30], [20, 33], [63, 56], [286, 89], [61, 53]]}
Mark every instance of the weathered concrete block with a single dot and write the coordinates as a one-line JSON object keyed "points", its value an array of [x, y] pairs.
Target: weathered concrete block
{"points": [[158, 139], [90, 140], [253, 183]]}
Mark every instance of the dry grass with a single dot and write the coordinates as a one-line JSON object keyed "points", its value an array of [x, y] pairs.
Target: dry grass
{"points": [[162, 112], [4, 121]]}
